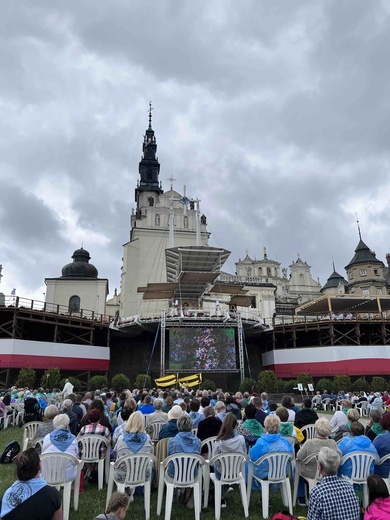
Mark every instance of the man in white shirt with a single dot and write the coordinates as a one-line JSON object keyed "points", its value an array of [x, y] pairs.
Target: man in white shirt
{"points": [[68, 388]]}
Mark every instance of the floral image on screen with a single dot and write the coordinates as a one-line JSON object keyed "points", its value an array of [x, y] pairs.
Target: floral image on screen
{"points": [[204, 348]]}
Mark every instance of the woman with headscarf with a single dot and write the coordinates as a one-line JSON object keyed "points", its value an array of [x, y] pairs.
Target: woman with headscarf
{"points": [[30, 496], [60, 440]]}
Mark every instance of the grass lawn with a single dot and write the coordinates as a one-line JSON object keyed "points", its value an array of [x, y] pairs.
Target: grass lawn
{"points": [[92, 501]]}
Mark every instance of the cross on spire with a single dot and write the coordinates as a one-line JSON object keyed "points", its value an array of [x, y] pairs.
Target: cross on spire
{"points": [[358, 225], [150, 114], [171, 180]]}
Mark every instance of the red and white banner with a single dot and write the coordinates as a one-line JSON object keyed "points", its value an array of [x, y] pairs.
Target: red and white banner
{"points": [[16, 353], [329, 361]]}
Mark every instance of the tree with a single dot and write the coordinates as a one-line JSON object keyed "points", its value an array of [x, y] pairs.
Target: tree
{"points": [[324, 384], [143, 381], [342, 383], [305, 379], [248, 385], [97, 382], [378, 384], [361, 384], [287, 387], [26, 377], [207, 384], [268, 382], [120, 382], [51, 378]]}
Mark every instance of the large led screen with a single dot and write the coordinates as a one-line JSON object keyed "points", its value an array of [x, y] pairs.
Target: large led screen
{"points": [[204, 348]]}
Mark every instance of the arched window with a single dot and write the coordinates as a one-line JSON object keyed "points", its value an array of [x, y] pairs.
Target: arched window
{"points": [[74, 304], [269, 271], [157, 219], [185, 221]]}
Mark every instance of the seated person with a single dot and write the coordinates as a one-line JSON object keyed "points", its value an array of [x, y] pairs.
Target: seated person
{"points": [[270, 442], [196, 416], [287, 428], [251, 426], [306, 416], [374, 428], [184, 441], [357, 442], [382, 445], [170, 428], [117, 507], [30, 496], [378, 499]]}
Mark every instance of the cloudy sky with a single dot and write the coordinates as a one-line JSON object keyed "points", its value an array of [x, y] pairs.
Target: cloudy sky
{"points": [[274, 113]]}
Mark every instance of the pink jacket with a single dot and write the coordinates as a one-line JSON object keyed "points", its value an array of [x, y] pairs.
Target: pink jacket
{"points": [[378, 510]]}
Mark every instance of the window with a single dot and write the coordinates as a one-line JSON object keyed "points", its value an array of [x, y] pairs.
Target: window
{"points": [[376, 272], [365, 291], [186, 221], [260, 271], [379, 291], [157, 219], [74, 304], [363, 272], [253, 302], [351, 275]]}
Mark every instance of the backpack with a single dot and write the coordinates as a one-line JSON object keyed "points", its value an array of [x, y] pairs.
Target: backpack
{"points": [[10, 452]]}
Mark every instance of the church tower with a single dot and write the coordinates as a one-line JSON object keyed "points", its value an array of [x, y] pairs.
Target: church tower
{"points": [[161, 220]]}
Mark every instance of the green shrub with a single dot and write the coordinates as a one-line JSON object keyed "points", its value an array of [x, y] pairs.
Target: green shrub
{"points": [[208, 384], [120, 382], [97, 382], [378, 384], [287, 387], [248, 385], [304, 379], [324, 384], [51, 378], [342, 383], [360, 384], [26, 377], [268, 382], [143, 381]]}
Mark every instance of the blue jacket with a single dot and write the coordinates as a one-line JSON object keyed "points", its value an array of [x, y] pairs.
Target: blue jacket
{"points": [[382, 445], [267, 443], [350, 444], [168, 430], [183, 442], [196, 417]]}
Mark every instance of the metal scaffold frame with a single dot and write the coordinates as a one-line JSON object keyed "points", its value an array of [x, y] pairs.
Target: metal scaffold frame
{"points": [[196, 324]]}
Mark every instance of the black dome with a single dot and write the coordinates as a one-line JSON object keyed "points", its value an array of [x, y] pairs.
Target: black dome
{"points": [[80, 267]]}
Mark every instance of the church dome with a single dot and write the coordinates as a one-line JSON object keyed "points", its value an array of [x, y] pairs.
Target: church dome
{"points": [[80, 267]]}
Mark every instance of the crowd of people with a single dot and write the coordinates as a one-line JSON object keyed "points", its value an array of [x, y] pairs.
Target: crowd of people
{"points": [[241, 423]]}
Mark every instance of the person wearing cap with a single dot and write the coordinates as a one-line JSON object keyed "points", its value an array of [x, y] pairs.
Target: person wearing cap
{"points": [[170, 429], [382, 445]]}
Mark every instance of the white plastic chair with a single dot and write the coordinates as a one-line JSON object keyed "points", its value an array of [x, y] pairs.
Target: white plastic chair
{"points": [[209, 442], [194, 431], [361, 461], [278, 469], [300, 464], [54, 468], [362, 407], [155, 430], [19, 409], [188, 473], [379, 463], [38, 444], [310, 431], [138, 468], [231, 467], [89, 448], [29, 431], [326, 403]]}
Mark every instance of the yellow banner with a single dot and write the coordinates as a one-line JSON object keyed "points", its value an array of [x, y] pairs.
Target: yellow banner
{"points": [[170, 380], [191, 381]]}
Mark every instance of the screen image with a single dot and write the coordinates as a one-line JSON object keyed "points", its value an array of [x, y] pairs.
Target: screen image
{"points": [[204, 348]]}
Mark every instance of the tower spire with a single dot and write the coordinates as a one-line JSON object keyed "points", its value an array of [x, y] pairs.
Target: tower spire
{"points": [[150, 115], [358, 226], [149, 167]]}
